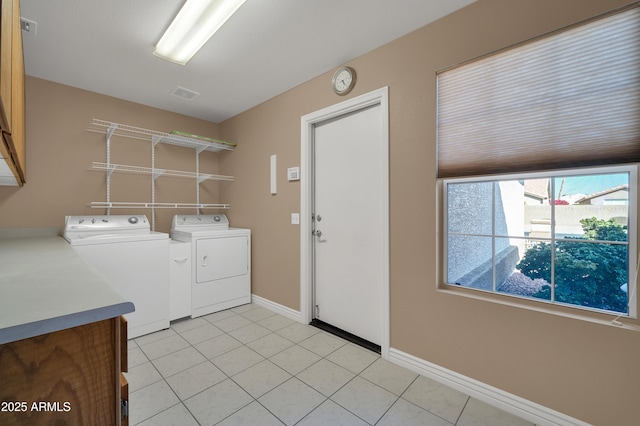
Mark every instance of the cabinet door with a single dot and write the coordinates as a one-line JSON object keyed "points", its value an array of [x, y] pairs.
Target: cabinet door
{"points": [[222, 257], [70, 375], [6, 45], [12, 103], [17, 94], [9, 174]]}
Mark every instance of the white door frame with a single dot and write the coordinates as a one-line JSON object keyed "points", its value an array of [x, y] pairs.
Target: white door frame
{"points": [[377, 97]]}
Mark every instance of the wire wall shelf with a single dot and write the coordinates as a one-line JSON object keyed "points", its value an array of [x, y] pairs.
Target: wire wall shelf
{"points": [[128, 205], [199, 144], [109, 128], [123, 168]]}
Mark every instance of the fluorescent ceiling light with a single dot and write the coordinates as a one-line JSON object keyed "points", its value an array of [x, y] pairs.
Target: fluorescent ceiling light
{"points": [[196, 22]]}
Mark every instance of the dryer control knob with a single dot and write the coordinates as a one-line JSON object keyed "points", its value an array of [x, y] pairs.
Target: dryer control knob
{"points": [[133, 220]]}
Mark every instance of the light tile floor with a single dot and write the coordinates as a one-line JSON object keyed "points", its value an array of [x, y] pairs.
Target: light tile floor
{"points": [[250, 366]]}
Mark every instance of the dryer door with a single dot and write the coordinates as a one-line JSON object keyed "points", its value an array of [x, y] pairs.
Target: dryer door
{"points": [[222, 257]]}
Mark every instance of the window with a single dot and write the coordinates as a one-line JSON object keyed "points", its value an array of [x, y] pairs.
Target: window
{"points": [[546, 236], [532, 146]]}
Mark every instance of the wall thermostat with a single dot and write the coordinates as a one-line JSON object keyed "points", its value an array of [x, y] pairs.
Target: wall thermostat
{"points": [[293, 173]]}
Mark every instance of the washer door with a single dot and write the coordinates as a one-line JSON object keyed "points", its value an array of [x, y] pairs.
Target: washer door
{"points": [[222, 257]]}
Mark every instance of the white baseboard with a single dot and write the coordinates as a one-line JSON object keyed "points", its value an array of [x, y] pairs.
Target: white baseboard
{"points": [[277, 308], [498, 398]]}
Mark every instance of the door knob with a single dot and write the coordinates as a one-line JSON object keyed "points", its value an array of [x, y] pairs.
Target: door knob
{"points": [[317, 233]]}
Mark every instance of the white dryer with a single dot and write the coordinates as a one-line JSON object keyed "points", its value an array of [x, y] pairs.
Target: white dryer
{"points": [[220, 261], [132, 258]]}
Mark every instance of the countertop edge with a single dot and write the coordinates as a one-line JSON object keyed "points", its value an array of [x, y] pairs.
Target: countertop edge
{"points": [[38, 328]]}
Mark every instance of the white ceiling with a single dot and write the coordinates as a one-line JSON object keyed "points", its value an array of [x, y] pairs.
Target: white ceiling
{"points": [[266, 48]]}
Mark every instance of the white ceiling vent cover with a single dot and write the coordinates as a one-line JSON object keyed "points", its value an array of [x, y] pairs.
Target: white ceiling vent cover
{"points": [[184, 93]]}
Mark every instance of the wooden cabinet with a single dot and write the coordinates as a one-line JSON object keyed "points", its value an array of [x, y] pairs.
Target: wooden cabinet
{"points": [[69, 377], [12, 102]]}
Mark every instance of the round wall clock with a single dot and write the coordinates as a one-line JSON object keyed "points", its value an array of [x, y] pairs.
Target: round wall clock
{"points": [[343, 80]]}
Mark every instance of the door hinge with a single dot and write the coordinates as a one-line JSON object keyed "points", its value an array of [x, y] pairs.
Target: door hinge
{"points": [[317, 311], [124, 409]]}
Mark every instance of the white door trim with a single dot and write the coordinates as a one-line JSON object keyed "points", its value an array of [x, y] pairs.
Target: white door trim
{"points": [[377, 97]]}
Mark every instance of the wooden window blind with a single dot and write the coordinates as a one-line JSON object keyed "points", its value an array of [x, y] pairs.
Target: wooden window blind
{"points": [[570, 99]]}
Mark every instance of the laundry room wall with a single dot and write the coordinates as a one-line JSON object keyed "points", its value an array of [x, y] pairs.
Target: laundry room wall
{"points": [[575, 365], [60, 151]]}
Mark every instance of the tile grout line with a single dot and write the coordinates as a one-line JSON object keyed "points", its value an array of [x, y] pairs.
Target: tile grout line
{"points": [[462, 411]]}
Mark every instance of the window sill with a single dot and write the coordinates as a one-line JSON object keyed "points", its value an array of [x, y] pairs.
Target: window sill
{"points": [[607, 319]]}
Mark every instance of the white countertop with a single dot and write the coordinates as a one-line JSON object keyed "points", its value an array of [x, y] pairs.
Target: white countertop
{"points": [[45, 286]]}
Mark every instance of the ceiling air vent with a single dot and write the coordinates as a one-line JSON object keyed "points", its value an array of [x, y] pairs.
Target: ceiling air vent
{"points": [[28, 27], [183, 93]]}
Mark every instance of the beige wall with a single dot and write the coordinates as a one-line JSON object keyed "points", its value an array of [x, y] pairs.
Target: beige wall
{"points": [[60, 152], [585, 369]]}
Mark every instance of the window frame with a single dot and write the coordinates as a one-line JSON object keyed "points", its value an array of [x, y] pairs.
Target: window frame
{"points": [[632, 235]]}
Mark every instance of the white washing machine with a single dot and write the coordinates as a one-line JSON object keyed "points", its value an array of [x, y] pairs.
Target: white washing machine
{"points": [[220, 261], [132, 258]]}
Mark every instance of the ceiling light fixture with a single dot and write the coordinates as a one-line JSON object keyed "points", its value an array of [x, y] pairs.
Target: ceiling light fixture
{"points": [[196, 22]]}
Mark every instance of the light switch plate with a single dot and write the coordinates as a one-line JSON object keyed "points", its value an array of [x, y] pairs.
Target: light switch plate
{"points": [[295, 218]]}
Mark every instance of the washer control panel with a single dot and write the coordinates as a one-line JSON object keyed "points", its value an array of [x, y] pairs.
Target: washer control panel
{"points": [[200, 222], [106, 224]]}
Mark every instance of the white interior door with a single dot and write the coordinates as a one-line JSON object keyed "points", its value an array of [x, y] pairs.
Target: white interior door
{"points": [[349, 181]]}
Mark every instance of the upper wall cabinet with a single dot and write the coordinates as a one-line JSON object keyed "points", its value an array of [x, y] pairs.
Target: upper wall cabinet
{"points": [[12, 103]]}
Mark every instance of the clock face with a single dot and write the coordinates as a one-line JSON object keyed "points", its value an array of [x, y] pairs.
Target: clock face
{"points": [[343, 81]]}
